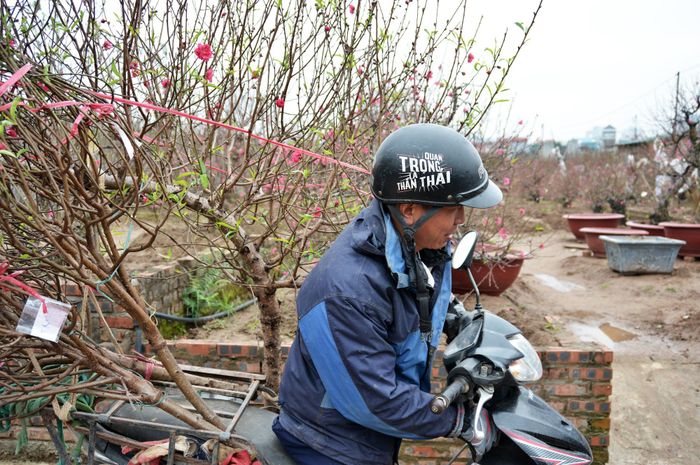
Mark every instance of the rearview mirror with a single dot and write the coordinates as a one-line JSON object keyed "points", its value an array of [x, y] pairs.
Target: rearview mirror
{"points": [[464, 252]]}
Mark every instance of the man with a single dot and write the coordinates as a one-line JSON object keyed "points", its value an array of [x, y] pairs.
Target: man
{"points": [[370, 313]]}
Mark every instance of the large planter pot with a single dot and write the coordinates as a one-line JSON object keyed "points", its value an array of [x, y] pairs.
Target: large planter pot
{"points": [[577, 221], [492, 277], [592, 236], [641, 254], [688, 232], [652, 229]]}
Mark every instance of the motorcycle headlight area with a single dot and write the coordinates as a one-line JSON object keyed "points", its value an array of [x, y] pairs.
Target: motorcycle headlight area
{"points": [[528, 368]]}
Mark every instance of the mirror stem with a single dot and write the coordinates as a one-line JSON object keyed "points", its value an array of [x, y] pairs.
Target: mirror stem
{"points": [[477, 306]]}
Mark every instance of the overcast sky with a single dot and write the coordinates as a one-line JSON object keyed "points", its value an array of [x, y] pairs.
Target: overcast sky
{"points": [[597, 62]]}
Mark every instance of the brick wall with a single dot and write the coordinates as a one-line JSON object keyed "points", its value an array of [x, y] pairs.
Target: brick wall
{"points": [[161, 287], [575, 382]]}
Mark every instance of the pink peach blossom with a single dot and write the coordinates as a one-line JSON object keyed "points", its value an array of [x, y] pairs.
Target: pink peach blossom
{"points": [[203, 52]]}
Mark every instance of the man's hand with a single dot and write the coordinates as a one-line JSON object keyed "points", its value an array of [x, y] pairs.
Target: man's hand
{"points": [[456, 316]]}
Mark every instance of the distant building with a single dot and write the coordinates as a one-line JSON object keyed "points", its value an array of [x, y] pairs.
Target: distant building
{"points": [[571, 147], [590, 145], [547, 149], [608, 137]]}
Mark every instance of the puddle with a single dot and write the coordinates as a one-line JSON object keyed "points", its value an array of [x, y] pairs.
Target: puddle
{"points": [[557, 284], [605, 334], [617, 334], [589, 333]]}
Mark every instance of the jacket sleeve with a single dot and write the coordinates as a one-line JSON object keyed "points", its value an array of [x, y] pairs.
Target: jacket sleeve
{"points": [[348, 344]]}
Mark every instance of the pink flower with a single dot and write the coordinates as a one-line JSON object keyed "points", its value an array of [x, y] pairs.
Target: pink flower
{"points": [[106, 45], [327, 28], [11, 131], [485, 221], [279, 102], [203, 52], [429, 74], [296, 157], [500, 152], [351, 8], [165, 83], [506, 181], [542, 246], [317, 212], [520, 122], [209, 75], [521, 211], [11, 43], [365, 150], [502, 233], [42, 86], [470, 58], [2, 147]]}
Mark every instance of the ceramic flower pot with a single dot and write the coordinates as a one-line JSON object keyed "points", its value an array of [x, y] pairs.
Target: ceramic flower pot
{"points": [[688, 232], [652, 229], [577, 221], [592, 236], [641, 254], [492, 277]]}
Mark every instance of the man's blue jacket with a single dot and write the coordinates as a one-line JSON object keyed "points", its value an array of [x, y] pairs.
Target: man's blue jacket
{"points": [[357, 379]]}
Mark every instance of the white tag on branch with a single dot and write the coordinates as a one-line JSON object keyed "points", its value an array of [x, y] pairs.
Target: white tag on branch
{"points": [[45, 325], [126, 141]]}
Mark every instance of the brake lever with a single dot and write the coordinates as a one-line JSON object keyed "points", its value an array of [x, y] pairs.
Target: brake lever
{"points": [[485, 394]]}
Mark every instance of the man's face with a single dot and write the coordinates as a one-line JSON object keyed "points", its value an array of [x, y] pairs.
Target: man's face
{"points": [[439, 229]]}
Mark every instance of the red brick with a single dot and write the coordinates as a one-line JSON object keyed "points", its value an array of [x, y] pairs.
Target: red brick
{"points": [[605, 357], [597, 441], [601, 389], [567, 390], [586, 405], [196, 347], [119, 321], [601, 423]]}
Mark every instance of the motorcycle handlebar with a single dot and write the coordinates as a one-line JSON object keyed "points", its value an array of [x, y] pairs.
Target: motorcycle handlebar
{"points": [[458, 386]]}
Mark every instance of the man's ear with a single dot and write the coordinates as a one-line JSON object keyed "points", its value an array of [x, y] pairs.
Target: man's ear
{"points": [[408, 212]]}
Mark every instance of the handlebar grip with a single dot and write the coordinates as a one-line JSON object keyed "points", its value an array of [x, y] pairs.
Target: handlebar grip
{"points": [[455, 388]]}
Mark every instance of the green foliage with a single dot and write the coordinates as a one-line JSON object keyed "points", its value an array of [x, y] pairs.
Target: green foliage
{"points": [[210, 292]]}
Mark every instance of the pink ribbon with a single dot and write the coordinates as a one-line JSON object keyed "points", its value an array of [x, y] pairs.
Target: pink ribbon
{"points": [[10, 278], [106, 110]]}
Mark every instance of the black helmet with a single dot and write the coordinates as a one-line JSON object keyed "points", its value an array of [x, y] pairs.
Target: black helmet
{"points": [[431, 165]]}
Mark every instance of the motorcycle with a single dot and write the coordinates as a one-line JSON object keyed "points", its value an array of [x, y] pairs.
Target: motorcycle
{"points": [[488, 362], [119, 429]]}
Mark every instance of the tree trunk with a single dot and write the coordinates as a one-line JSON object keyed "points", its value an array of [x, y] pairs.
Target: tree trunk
{"points": [[270, 317]]}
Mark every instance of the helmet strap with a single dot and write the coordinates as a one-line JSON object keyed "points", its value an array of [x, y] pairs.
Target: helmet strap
{"points": [[416, 270]]}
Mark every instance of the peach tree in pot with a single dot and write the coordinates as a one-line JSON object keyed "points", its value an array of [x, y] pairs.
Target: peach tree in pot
{"points": [[506, 239], [493, 274]]}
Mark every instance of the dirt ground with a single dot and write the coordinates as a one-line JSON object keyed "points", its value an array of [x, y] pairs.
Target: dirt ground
{"points": [[651, 322]]}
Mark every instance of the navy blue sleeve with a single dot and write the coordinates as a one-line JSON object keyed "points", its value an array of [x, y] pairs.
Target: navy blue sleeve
{"points": [[349, 346]]}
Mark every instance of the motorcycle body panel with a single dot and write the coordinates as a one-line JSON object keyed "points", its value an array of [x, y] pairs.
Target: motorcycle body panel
{"points": [[539, 430]]}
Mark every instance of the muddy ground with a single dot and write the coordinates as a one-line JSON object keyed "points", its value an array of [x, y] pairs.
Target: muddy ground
{"points": [[651, 322]]}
